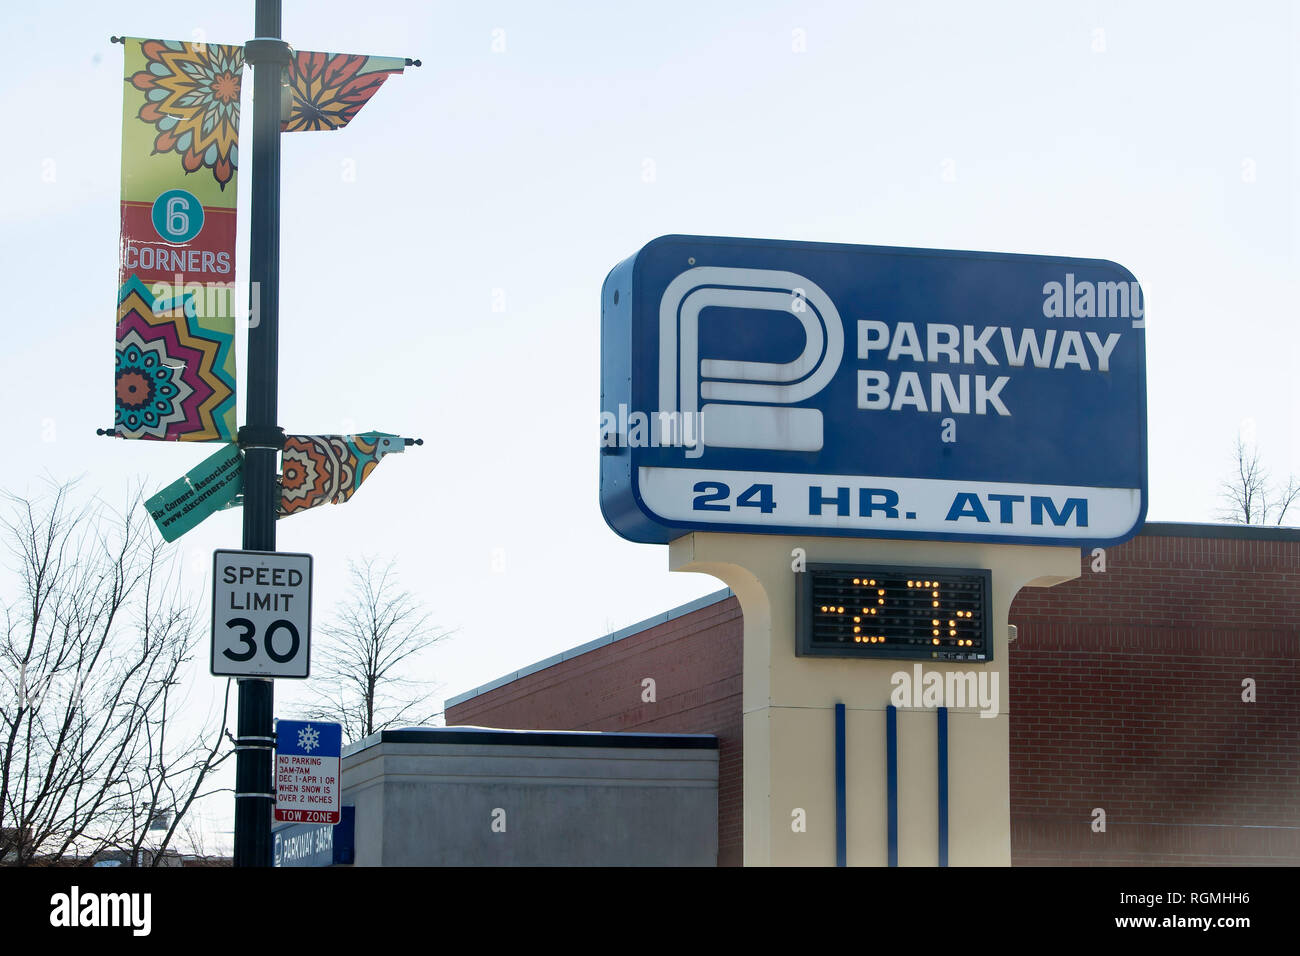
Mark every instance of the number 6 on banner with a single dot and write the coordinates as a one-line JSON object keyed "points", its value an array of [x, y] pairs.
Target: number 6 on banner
{"points": [[177, 216]]}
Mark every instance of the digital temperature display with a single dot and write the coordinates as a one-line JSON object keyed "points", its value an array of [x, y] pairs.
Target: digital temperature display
{"points": [[893, 613]]}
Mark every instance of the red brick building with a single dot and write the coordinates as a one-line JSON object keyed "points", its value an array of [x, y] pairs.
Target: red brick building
{"points": [[1126, 694]]}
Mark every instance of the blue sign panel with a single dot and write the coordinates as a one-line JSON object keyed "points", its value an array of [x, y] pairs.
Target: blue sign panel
{"points": [[810, 388], [303, 844], [308, 738]]}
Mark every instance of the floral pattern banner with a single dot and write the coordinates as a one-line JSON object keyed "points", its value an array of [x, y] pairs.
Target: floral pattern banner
{"points": [[328, 469], [176, 268], [328, 89]]}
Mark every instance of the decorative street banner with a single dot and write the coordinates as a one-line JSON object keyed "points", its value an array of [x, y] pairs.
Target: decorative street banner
{"points": [[175, 316], [814, 388], [328, 469], [328, 89], [203, 491], [315, 470]]}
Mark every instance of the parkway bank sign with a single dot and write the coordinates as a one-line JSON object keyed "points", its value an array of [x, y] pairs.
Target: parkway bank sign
{"points": [[809, 388]]}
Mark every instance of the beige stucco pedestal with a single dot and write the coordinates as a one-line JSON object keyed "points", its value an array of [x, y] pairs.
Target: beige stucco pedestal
{"points": [[789, 706]]}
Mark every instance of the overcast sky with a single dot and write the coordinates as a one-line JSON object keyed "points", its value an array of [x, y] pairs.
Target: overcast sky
{"points": [[443, 256]]}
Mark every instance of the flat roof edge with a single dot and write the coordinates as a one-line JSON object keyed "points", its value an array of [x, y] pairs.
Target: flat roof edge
{"points": [[535, 738], [1240, 532]]}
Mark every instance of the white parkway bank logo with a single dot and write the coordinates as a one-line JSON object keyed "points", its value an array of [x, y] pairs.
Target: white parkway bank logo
{"points": [[713, 388], [697, 395]]}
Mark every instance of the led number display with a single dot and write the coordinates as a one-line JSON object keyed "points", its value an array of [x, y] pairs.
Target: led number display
{"points": [[893, 613]]}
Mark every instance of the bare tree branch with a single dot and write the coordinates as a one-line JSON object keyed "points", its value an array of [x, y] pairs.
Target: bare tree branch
{"points": [[1285, 498], [92, 653], [377, 633], [1249, 497]]}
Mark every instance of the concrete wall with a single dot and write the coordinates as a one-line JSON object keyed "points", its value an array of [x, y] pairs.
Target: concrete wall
{"points": [[694, 660], [471, 797]]}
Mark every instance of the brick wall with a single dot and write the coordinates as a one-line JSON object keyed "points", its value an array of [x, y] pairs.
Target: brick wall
{"points": [[1125, 695]]}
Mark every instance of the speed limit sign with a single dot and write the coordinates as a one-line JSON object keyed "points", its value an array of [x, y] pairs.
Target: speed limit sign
{"points": [[261, 614]]}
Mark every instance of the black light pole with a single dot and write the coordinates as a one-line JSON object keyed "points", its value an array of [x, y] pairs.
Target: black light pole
{"points": [[261, 438]]}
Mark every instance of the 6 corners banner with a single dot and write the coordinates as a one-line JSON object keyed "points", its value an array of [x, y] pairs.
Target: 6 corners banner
{"points": [[175, 357]]}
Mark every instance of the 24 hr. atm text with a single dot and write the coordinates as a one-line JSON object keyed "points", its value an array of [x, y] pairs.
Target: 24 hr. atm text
{"points": [[987, 508]]}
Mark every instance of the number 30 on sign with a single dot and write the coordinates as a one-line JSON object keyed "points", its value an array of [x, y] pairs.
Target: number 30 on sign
{"points": [[261, 614]]}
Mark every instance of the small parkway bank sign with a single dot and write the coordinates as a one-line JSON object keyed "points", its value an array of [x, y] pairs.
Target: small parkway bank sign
{"points": [[261, 614], [810, 388]]}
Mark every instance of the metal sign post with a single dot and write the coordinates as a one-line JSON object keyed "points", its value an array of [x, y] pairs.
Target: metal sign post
{"points": [[261, 438], [264, 630]]}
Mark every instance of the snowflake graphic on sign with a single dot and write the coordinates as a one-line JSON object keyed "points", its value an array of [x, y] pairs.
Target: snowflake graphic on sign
{"points": [[308, 738]]}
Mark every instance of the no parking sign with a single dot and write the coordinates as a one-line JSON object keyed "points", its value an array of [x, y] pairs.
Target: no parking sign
{"points": [[307, 769]]}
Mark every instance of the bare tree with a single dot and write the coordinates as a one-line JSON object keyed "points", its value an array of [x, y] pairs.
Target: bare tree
{"points": [[377, 632], [95, 644], [1249, 497]]}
